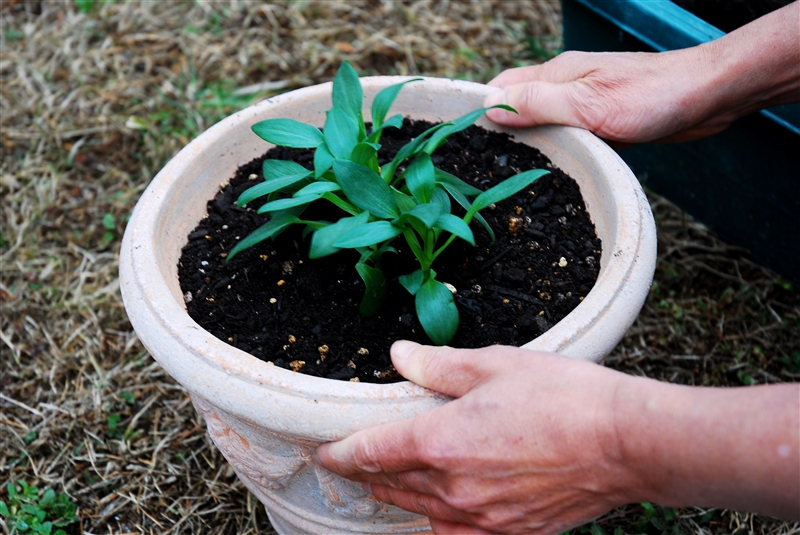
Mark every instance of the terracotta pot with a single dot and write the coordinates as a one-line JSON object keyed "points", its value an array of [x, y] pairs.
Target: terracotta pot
{"points": [[267, 420]]}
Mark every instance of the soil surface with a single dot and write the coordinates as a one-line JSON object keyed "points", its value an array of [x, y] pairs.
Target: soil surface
{"points": [[275, 303]]}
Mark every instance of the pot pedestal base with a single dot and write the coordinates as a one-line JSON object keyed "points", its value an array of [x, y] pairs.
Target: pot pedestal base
{"points": [[301, 498]]}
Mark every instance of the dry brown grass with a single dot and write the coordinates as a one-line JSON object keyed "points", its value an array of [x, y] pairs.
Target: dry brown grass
{"points": [[94, 103]]}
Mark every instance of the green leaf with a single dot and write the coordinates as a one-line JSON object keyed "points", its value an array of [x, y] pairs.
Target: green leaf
{"points": [[407, 151], [440, 197], [369, 234], [108, 221], [278, 175], [323, 239], [443, 177], [341, 133], [270, 229], [289, 133], [374, 291], [506, 189], [412, 281], [384, 100], [465, 121], [428, 214], [291, 202], [421, 178], [347, 94], [317, 188], [341, 203], [456, 225], [4, 509], [395, 121], [276, 169], [436, 311], [365, 188], [386, 248], [467, 205], [323, 159], [30, 509], [48, 498], [404, 202], [366, 153]]}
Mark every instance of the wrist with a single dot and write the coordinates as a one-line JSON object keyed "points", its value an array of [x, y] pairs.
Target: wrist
{"points": [[752, 68], [629, 446], [711, 447]]}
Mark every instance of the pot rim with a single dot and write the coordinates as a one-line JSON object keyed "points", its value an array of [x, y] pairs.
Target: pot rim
{"points": [[139, 271]]}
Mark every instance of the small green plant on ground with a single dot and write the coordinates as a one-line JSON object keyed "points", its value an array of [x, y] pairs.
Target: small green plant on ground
{"points": [[379, 203], [34, 511]]}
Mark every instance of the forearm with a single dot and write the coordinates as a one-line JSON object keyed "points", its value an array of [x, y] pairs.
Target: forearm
{"points": [[735, 447], [752, 68]]}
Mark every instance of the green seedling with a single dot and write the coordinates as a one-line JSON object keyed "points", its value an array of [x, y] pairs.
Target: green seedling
{"points": [[407, 196], [30, 510]]}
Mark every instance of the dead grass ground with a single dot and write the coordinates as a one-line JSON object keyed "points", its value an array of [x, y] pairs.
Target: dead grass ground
{"points": [[96, 96]]}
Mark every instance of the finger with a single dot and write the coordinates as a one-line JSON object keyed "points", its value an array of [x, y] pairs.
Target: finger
{"points": [[443, 527], [566, 67], [422, 481], [453, 372], [393, 447], [537, 103], [417, 503], [517, 75]]}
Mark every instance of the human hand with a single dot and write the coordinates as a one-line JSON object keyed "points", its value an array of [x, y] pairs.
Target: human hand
{"points": [[621, 97], [527, 446], [629, 97]]}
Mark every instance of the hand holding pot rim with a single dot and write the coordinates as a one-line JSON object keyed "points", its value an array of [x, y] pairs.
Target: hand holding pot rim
{"points": [[538, 443], [680, 95]]}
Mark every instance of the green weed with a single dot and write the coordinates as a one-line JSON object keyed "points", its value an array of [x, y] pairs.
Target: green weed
{"points": [[34, 511]]}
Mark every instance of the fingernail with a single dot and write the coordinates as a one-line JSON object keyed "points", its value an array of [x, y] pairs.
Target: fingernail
{"points": [[401, 350], [338, 451]]}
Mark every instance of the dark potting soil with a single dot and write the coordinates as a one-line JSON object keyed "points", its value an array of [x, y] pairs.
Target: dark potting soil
{"points": [[727, 15], [274, 303]]}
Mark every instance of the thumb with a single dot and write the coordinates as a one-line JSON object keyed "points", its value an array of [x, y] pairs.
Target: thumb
{"points": [[537, 102], [453, 372]]}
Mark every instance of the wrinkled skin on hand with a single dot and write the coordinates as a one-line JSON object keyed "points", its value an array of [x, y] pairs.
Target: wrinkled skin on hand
{"points": [[526, 447], [681, 95], [621, 97]]}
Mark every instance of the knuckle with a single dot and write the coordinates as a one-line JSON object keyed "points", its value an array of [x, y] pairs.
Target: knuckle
{"points": [[365, 457], [493, 519], [525, 101], [433, 450], [461, 495], [569, 55]]}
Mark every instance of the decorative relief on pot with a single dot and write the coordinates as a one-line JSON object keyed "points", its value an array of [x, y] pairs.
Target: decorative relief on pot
{"points": [[270, 461], [267, 459], [344, 497]]}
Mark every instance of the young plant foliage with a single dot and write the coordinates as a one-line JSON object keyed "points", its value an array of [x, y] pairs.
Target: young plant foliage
{"points": [[407, 197]]}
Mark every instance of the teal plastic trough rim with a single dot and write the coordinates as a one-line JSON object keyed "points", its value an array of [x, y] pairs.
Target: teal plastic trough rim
{"points": [[664, 25]]}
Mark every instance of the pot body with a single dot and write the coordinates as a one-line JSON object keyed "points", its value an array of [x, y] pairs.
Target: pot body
{"points": [[267, 420]]}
